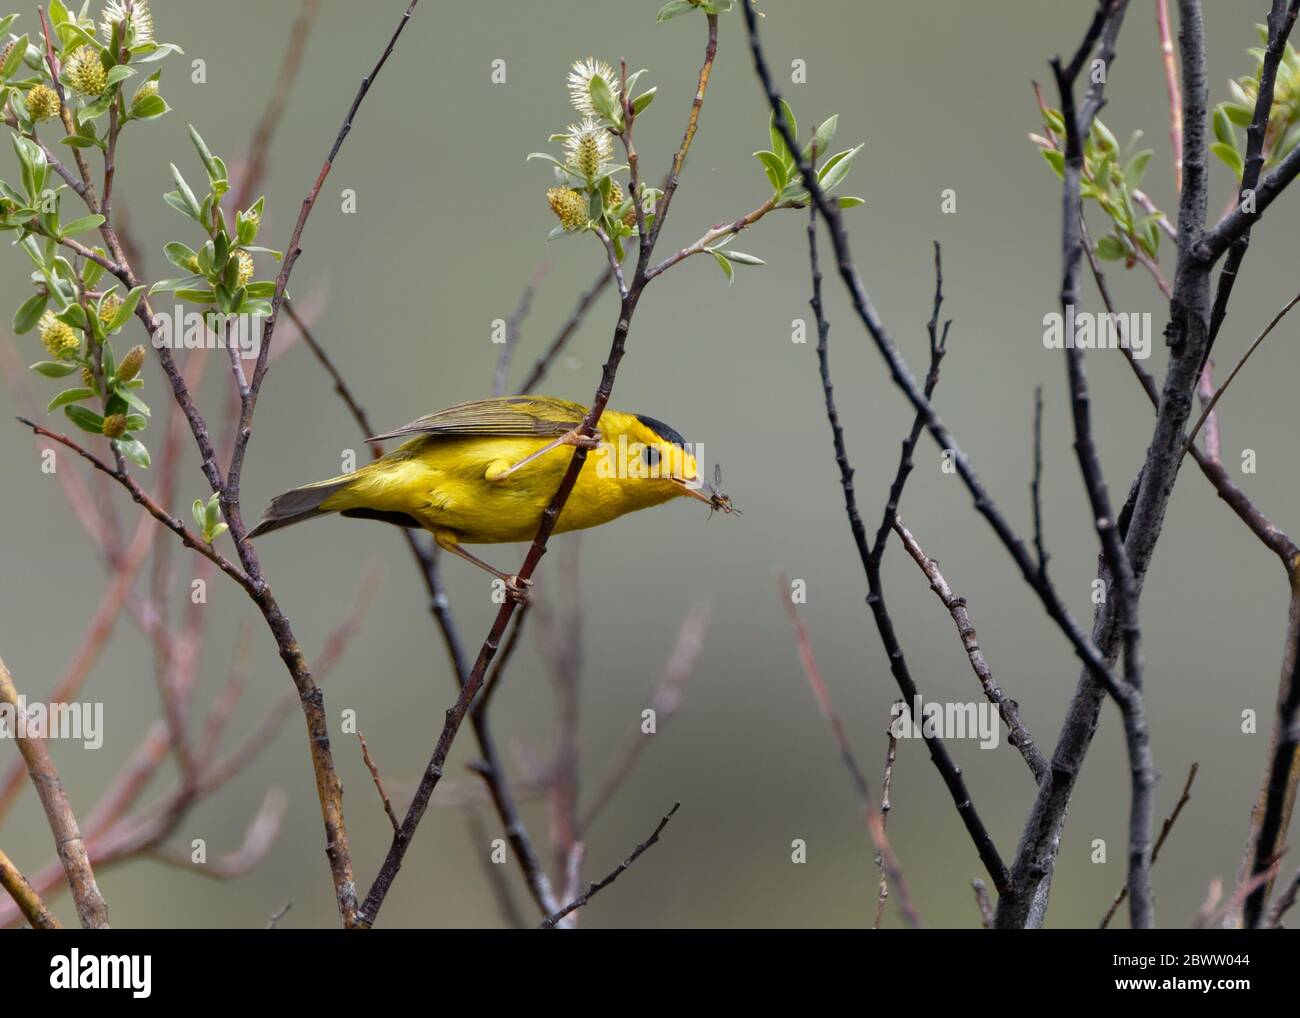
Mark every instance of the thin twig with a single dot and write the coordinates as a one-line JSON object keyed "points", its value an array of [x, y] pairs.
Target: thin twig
{"points": [[1008, 709], [887, 861], [886, 804], [552, 920], [1218, 393], [1170, 62], [26, 897], [1155, 852], [379, 785]]}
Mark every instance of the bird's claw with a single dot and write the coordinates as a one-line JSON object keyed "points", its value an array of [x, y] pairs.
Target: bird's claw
{"points": [[517, 589], [578, 439]]}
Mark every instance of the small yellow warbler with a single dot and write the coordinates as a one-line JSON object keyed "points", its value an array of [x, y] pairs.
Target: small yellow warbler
{"points": [[483, 472]]}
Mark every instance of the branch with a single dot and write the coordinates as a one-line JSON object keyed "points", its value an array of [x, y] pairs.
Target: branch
{"points": [[1109, 18], [1155, 852], [374, 776], [91, 908], [26, 897], [1281, 20], [902, 377], [492, 768], [1009, 711], [1170, 64], [1141, 521], [875, 819], [550, 922], [871, 556], [1280, 791], [172, 523]]}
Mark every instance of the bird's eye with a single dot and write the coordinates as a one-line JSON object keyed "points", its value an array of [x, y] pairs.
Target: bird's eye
{"points": [[651, 456]]}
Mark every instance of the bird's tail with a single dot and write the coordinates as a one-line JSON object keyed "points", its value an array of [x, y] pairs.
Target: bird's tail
{"points": [[300, 504]]}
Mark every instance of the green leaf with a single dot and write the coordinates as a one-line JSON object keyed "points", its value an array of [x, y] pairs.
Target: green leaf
{"points": [[26, 317], [81, 225], [187, 196], [133, 449], [127, 309], [1229, 155], [822, 138], [778, 142], [1106, 141], [1055, 159], [1111, 249], [744, 259], [178, 254], [1223, 127], [215, 172], [148, 108], [644, 99], [264, 288], [171, 285], [81, 141], [837, 168], [119, 73], [132, 400], [775, 168], [672, 9], [69, 396], [1237, 113], [86, 420], [727, 270], [151, 52], [136, 422], [1136, 167], [176, 201], [602, 99], [849, 201], [202, 296], [15, 58], [54, 369], [94, 110], [74, 315]]}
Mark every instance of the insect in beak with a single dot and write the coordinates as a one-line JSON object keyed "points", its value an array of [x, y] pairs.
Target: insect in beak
{"points": [[714, 499]]}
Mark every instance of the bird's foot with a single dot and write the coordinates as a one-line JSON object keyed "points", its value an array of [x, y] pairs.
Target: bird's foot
{"points": [[517, 589]]}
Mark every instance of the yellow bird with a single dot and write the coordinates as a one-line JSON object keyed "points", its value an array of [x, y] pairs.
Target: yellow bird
{"points": [[483, 472]]}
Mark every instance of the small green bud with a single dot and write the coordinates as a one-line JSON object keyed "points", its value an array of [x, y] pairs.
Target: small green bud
{"points": [[131, 364]]}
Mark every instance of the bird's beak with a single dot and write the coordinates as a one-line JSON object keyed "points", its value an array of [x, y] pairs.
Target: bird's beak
{"points": [[687, 489], [715, 500]]}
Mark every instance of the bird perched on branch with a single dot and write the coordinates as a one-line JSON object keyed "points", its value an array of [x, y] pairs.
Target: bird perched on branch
{"points": [[483, 472]]}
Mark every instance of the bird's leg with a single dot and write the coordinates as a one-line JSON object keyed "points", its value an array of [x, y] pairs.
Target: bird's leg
{"points": [[516, 586], [499, 470]]}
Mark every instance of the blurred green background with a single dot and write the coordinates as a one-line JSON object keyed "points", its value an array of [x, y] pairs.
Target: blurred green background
{"points": [[450, 224]]}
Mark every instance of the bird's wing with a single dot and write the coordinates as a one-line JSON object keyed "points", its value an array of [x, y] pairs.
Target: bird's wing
{"points": [[538, 416]]}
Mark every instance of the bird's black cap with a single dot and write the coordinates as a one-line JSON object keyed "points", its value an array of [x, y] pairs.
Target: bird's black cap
{"points": [[662, 430]]}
